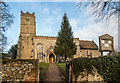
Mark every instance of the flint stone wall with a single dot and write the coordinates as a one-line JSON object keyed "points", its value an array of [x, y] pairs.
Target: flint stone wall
{"points": [[19, 70]]}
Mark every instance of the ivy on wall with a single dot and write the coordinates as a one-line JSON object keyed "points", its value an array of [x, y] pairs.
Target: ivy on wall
{"points": [[108, 66]]}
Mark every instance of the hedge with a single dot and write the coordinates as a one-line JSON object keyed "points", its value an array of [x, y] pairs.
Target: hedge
{"points": [[107, 66]]}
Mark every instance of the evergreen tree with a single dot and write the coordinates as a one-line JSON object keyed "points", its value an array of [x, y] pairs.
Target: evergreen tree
{"points": [[64, 45], [13, 51]]}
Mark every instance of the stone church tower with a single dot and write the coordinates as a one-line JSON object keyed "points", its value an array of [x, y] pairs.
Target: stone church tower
{"points": [[27, 32]]}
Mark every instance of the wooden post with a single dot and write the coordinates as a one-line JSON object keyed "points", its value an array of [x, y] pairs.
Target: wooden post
{"points": [[101, 53]]}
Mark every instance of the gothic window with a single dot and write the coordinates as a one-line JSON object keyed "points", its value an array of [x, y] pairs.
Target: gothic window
{"points": [[39, 48], [40, 55]]}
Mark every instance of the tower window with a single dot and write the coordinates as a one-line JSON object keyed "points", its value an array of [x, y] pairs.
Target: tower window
{"points": [[27, 20], [31, 50], [27, 28]]}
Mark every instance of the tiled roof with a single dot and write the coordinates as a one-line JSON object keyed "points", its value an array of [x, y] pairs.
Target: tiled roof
{"points": [[88, 45], [106, 35]]}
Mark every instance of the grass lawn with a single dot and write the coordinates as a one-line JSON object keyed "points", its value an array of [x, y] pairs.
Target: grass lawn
{"points": [[61, 66], [43, 69]]}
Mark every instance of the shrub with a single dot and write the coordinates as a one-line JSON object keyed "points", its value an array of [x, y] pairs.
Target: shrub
{"points": [[107, 66]]}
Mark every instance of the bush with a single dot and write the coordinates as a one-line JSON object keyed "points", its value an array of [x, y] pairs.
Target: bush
{"points": [[107, 66]]}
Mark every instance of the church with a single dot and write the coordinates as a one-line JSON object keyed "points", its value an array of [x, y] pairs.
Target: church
{"points": [[31, 46]]}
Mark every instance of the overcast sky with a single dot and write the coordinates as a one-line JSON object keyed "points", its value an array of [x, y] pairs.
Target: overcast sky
{"points": [[48, 21]]}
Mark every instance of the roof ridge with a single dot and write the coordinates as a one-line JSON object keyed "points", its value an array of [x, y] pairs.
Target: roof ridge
{"points": [[44, 36], [51, 37], [106, 34]]}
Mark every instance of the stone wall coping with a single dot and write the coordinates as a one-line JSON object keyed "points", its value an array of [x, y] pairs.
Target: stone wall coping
{"points": [[48, 37]]}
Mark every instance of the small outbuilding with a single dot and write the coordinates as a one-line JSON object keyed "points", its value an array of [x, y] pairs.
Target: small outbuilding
{"points": [[89, 49], [106, 44]]}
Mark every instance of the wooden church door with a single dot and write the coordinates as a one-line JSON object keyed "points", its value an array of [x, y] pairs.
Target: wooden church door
{"points": [[51, 60]]}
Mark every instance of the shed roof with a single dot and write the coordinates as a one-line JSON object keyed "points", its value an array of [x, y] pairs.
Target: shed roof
{"points": [[106, 35], [88, 45]]}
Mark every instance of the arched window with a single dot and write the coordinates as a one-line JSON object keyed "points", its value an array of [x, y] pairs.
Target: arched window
{"points": [[40, 51]]}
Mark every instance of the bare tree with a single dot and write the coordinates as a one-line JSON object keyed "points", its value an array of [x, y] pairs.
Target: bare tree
{"points": [[101, 10], [6, 19]]}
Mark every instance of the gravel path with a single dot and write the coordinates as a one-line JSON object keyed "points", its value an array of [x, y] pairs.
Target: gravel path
{"points": [[54, 74]]}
